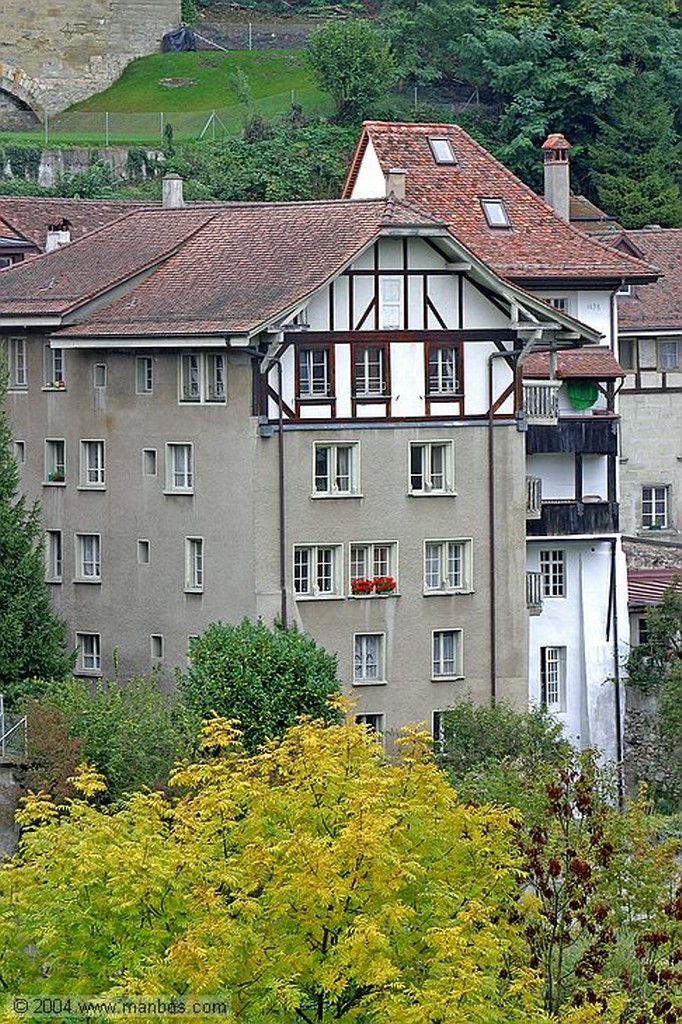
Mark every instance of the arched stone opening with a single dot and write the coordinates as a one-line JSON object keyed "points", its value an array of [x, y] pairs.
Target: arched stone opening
{"points": [[18, 95]]}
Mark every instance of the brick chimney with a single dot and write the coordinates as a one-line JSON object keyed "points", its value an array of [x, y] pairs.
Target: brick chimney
{"points": [[58, 234], [171, 186], [557, 174], [395, 182]]}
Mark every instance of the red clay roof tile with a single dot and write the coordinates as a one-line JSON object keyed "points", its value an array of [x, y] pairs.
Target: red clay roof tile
{"points": [[647, 586], [539, 245], [658, 305], [593, 363]]}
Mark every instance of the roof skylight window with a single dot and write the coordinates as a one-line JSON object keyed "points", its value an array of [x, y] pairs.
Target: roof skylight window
{"points": [[442, 150], [495, 213]]}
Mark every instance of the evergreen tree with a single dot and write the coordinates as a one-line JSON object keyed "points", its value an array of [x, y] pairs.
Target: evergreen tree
{"points": [[638, 154], [32, 637]]}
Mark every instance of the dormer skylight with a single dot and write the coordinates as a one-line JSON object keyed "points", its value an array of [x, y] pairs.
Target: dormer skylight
{"points": [[496, 213], [442, 150]]}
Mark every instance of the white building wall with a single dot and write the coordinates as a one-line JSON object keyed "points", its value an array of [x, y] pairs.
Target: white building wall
{"points": [[370, 182]]}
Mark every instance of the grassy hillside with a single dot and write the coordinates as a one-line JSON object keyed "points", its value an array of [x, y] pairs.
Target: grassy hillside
{"points": [[208, 80]]}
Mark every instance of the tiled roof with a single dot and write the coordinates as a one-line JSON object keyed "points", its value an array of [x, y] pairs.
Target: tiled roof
{"points": [[227, 271], [59, 281], [538, 245], [658, 305], [593, 363], [647, 586], [29, 216], [589, 217]]}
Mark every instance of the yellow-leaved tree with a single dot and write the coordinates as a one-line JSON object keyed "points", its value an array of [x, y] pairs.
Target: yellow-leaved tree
{"points": [[313, 881]]}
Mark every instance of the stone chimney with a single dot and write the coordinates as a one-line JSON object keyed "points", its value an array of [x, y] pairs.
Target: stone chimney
{"points": [[395, 182], [557, 174], [172, 192], [58, 234]]}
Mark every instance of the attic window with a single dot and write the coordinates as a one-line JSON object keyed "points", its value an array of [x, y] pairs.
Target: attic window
{"points": [[495, 213], [443, 152]]}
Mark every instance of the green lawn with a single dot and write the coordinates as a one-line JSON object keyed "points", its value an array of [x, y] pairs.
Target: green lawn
{"points": [[211, 82]]}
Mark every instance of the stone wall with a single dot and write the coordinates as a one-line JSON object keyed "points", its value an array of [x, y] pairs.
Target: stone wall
{"points": [[9, 795], [645, 757], [52, 55]]}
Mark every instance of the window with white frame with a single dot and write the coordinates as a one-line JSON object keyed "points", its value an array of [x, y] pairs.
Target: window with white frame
{"points": [[553, 678], [99, 375], [202, 377], [668, 355], [16, 364], [446, 659], [655, 507], [55, 461], [156, 645], [368, 658], [447, 566], [179, 468], [553, 572], [144, 375], [88, 558], [442, 150], [53, 367], [314, 372], [370, 377], [194, 564], [336, 469], [89, 653], [92, 464], [374, 721], [432, 467], [443, 373], [559, 302], [390, 303], [144, 552], [317, 570], [54, 557], [20, 452], [376, 562]]}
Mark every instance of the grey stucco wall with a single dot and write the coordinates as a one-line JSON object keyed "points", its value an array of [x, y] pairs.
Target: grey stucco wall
{"points": [[52, 55]]}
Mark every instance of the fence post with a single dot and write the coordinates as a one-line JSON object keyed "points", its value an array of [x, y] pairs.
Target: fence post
{"points": [[47, 128], [161, 124], [250, 36], [106, 128]]}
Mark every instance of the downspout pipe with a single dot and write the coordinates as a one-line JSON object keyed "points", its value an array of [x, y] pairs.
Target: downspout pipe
{"points": [[618, 709], [281, 500], [281, 493], [492, 578]]}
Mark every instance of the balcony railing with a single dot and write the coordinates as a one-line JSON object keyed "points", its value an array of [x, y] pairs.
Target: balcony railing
{"points": [[541, 401], [533, 497], [534, 592], [566, 518]]}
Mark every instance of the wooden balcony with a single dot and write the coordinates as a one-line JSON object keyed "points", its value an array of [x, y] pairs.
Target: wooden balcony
{"points": [[586, 435], [541, 401], [534, 592], [533, 497], [566, 518]]}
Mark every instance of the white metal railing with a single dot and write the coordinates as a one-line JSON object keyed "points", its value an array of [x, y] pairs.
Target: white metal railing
{"points": [[12, 733], [533, 497], [541, 401], [534, 592]]}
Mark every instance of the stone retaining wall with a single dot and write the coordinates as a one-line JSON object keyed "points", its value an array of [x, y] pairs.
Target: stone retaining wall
{"points": [[53, 55]]}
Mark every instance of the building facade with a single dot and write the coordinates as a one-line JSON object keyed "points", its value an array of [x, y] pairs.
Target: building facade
{"points": [[327, 413]]}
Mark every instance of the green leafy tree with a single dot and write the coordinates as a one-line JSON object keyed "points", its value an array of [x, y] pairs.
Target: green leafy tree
{"points": [[130, 731], [493, 754], [265, 678], [32, 636], [353, 62], [636, 156], [313, 882]]}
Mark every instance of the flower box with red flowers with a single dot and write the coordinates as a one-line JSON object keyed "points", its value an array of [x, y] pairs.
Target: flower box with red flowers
{"points": [[384, 584], [362, 587]]}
